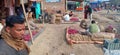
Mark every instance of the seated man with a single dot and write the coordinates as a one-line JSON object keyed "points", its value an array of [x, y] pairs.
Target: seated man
{"points": [[58, 18], [66, 17], [93, 28]]}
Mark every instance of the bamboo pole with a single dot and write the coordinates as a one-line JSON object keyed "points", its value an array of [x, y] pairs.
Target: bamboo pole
{"points": [[83, 8], [27, 22], [42, 7], [66, 5]]}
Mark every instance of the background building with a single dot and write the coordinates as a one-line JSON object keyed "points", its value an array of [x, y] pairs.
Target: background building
{"points": [[115, 2], [54, 4]]}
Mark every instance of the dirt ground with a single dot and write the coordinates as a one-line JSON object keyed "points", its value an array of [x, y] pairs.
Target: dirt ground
{"points": [[52, 40]]}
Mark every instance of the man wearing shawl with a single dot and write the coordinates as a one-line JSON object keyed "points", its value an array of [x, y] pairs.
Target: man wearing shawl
{"points": [[12, 42]]}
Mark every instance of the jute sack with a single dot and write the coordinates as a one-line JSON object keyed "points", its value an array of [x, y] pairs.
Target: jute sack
{"points": [[102, 35], [102, 28]]}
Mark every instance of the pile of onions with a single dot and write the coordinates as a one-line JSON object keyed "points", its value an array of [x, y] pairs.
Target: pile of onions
{"points": [[72, 31]]}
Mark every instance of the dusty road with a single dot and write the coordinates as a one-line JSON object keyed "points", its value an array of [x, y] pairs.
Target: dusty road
{"points": [[52, 42]]}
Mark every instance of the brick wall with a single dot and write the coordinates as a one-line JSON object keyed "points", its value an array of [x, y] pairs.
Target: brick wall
{"points": [[51, 5]]}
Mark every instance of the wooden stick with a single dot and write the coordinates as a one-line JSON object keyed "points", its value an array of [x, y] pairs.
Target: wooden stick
{"points": [[66, 5], [27, 22]]}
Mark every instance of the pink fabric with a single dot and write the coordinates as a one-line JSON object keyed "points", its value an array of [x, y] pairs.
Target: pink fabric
{"points": [[72, 31], [111, 27], [74, 19], [27, 38]]}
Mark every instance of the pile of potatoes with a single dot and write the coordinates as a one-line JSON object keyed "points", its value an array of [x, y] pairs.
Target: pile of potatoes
{"points": [[79, 37]]}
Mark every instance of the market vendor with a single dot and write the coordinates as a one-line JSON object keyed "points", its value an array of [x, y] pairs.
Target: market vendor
{"points": [[93, 28]]}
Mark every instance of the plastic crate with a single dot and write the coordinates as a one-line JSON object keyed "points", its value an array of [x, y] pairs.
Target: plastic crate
{"points": [[112, 44]]}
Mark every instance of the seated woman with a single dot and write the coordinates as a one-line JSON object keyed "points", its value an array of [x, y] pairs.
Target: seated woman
{"points": [[83, 24], [111, 29], [71, 13]]}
